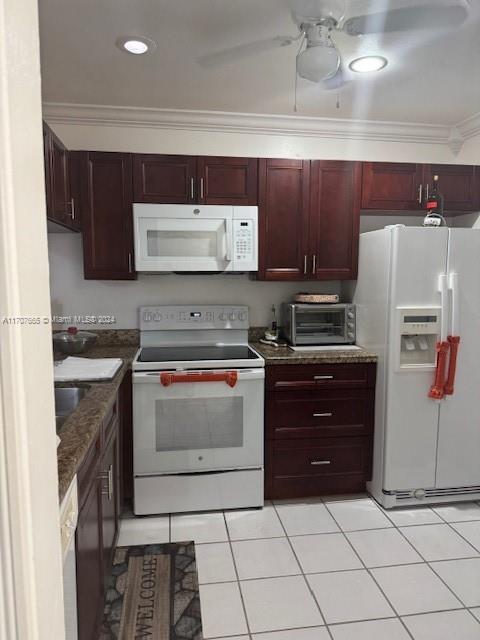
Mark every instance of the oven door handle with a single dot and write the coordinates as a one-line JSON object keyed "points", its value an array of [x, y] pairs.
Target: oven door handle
{"points": [[153, 377], [229, 377]]}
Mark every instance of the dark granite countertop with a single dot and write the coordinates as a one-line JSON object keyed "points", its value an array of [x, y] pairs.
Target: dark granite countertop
{"points": [[285, 355], [81, 428]]}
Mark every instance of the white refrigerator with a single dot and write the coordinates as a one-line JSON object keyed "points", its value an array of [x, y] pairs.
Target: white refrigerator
{"points": [[417, 286]]}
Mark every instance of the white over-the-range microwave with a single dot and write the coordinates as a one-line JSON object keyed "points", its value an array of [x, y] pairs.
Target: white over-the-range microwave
{"points": [[195, 238]]}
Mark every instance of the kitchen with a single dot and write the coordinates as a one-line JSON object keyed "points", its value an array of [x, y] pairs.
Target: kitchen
{"points": [[285, 523]]}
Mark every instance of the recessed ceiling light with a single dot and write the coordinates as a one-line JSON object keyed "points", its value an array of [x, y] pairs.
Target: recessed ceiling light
{"points": [[368, 63], [137, 45]]}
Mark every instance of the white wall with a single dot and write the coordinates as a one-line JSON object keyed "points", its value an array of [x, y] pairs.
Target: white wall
{"points": [[72, 295], [149, 139]]}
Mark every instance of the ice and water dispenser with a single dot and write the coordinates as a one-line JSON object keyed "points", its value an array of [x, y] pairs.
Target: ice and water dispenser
{"points": [[419, 333]]}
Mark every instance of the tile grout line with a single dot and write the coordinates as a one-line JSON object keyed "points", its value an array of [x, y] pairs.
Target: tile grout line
{"points": [[247, 622], [369, 572], [431, 568], [303, 573]]}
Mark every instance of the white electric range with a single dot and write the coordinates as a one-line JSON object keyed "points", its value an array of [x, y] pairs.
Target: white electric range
{"points": [[198, 398]]}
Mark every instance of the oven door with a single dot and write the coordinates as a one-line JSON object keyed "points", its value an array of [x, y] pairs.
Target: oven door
{"points": [[173, 238], [197, 425], [321, 325]]}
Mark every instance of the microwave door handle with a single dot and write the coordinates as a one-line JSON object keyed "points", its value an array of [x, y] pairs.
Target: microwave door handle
{"points": [[229, 240]]}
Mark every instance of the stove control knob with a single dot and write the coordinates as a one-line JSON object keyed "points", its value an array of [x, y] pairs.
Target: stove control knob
{"points": [[350, 314], [222, 317], [232, 316], [241, 316]]}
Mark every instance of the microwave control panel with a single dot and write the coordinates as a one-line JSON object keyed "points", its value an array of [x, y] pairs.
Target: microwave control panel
{"points": [[243, 238], [245, 241]]}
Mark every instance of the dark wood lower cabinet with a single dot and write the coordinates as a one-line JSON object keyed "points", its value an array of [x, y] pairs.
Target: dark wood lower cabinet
{"points": [[98, 520], [319, 429], [89, 564]]}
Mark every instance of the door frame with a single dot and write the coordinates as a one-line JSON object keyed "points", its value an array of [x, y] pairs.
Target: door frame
{"points": [[31, 594]]}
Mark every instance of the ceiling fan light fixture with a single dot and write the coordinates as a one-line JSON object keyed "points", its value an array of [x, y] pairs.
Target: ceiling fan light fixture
{"points": [[367, 64], [318, 63], [136, 45]]}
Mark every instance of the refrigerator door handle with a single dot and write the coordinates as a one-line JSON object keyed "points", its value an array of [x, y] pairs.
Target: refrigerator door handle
{"points": [[442, 288], [453, 288]]}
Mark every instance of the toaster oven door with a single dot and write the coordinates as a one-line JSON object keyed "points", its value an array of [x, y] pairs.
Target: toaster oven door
{"points": [[323, 325]]}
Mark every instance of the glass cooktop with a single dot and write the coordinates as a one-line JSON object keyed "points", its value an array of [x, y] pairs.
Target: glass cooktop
{"points": [[194, 353]]}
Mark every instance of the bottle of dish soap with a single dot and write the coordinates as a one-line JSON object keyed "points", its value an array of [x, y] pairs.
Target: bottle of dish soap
{"points": [[272, 331]]}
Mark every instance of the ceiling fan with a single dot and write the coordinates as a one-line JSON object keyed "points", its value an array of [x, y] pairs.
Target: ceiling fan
{"points": [[319, 59]]}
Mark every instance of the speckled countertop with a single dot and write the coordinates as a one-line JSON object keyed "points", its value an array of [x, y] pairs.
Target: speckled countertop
{"points": [[285, 355], [82, 426]]}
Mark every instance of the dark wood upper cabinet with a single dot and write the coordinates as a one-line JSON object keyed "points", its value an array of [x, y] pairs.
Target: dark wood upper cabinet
{"points": [[392, 186], [169, 179], [334, 219], [283, 219], [459, 185], [164, 179], [107, 219], [227, 180], [61, 206]]}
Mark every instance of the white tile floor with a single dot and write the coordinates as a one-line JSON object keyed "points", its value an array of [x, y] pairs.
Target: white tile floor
{"points": [[331, 569]]}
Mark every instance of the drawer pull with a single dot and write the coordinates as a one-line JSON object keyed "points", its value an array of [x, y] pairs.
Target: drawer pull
{"points": [[328, 414], [317, 463], [323, 377]]}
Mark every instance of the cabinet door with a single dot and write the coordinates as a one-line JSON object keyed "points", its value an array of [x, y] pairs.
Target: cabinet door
{"points": [[89, 565], [110, 495], [47, 168], [164, 179], [459, 185], [283, 219], [61, 204], [126, 441], [107, 218], [334, 219], [227, 180], [392, 186]]}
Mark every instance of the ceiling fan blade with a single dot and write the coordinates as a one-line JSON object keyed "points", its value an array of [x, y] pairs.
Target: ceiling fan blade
{"points": [[234, 54], [407, 19]]}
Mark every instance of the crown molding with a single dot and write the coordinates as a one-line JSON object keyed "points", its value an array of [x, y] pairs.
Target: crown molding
{"points": [[219, 121], [470, 126]]}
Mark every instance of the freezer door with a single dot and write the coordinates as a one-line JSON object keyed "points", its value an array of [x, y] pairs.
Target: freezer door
{"points": [[458, 462], [419, 258]]}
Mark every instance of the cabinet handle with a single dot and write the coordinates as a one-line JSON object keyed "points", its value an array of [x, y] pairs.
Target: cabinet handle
{"points": [[192, 188], [110, 482], [130, 262], [420, 193], [328, 414], [201, 188], [427, 191], [317, 463], [72, 208], [305, 264], [329, 377], [314, 264]]}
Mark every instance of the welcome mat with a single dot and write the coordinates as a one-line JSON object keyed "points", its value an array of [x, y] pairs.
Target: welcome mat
{"points": [[153, 594]]}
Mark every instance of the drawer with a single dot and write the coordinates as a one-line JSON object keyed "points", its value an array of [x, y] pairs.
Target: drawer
{"points": [[304, 414], [110, 422], [320, 457], [314, 467], [313, 376]]}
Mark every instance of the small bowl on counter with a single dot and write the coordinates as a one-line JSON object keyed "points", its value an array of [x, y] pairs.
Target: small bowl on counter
{"points": [[72, 341]]}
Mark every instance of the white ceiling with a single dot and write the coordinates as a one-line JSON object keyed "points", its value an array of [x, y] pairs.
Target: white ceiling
{"points": [[431, 77]]}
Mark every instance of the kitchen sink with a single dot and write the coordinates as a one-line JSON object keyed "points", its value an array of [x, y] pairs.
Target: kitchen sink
{"points": [[66, 401]]}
